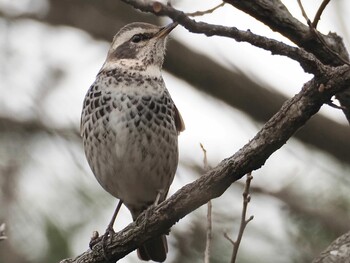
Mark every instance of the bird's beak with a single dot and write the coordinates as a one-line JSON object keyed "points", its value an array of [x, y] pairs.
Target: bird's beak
{"points": [[163, 32]]}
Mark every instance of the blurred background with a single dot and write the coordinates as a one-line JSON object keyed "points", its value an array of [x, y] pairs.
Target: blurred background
{"points": [[50, 53]]}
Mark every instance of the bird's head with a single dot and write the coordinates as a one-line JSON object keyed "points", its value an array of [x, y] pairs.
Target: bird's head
{"points": [[138, 46]]}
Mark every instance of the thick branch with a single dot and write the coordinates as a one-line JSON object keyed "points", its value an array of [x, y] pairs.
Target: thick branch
{"points": [[277, 17], [274, 14], [306, 60], [100, 20], [292, 116], [338, 251]]}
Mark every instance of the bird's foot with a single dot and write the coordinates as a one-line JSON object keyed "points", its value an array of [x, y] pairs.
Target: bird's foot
{"points": [[151, 207], [147, 214], [108, 234]]}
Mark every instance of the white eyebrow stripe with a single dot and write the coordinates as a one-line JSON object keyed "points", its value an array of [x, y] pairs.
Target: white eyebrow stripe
{"points": [[127, 35]]}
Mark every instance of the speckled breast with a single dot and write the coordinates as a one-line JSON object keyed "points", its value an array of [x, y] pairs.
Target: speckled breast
{"points": [[129, 136]]}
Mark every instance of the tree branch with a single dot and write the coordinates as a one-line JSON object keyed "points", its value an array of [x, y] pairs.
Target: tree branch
{"points": [[274, 14], [308, 62], [328, 49], [209, 212], [209, 11], [201, 72], [338, 251], [292, 116], [244, 220], [318, 35], [319, 13]]}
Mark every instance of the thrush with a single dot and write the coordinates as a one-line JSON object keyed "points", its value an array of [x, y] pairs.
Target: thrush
{"points": [[130, 126]]}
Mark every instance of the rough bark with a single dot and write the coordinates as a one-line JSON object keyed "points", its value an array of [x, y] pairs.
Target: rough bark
{"points": [[337, 252]]}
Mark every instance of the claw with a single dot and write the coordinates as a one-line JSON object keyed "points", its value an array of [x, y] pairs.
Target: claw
{"points": [[109, 233]]}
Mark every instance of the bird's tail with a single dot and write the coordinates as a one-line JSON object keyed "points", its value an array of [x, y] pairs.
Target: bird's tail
{"points": [[154, 249]]}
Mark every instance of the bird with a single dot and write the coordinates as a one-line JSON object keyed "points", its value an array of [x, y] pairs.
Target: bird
{"points": [[130, 126]]}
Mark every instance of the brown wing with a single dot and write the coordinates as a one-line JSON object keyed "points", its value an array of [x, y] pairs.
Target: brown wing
{"points": [[179, 122]]}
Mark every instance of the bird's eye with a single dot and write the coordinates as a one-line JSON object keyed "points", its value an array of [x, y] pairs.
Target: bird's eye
{"points": [[136, 38]]}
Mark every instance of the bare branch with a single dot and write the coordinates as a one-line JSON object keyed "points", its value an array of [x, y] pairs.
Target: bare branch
{"points": [[318, 35], [308, 62], [338, 251], [244, 220], [209, 11], [275, 15], [303, 12], [319, 13], [205, 159], [209, 234], [234, 88], [274, 134], [229, 239], [209, 221], [327, 46], [335, 106]]}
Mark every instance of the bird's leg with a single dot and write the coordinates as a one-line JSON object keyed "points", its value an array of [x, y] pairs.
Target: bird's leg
{"points": [[110, 231], [116, 211], [148, 210], [158, 197]]}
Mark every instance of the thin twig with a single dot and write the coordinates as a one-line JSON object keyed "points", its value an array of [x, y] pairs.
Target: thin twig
{"points": [[331, 103], [304, 13], [209, 234], [205, 159], [244, 221], [209, 221], [319, 13], [308, 61], [209, 11], [229, 239]]}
